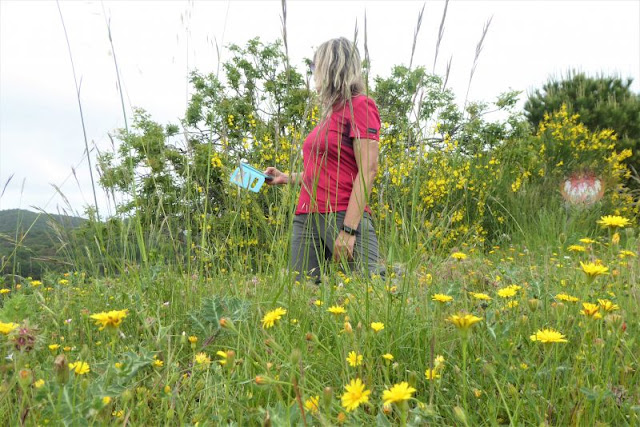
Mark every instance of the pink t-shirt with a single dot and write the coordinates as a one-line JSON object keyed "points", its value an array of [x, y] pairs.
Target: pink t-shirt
{"points": [[330, 166]]}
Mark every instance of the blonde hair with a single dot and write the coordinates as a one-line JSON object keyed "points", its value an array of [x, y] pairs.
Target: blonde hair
{"points": [[338, 71]]}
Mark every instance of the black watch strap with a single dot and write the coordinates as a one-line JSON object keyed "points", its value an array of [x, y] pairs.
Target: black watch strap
{"points": [[349, 230]]}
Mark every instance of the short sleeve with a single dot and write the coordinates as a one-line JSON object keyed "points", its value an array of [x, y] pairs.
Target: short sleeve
{"points": [[365, 123]]}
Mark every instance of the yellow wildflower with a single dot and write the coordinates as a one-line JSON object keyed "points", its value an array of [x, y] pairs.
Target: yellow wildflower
{"points": [[223, 355], [576, 248], [311, 404], [591, 310], [613, 221], [355, 394], [377, 326], [272, 317], [336, 309], [464, 322], [388, 356], [480, 296], [594, 269], [354, 359], [202, 359], [547, 336], [431, 374], [507, 292], [398, 393], [111, 319], [459, 256], [607, 305], [7, 328], [442, 298], [79, 367], [566, 297]]}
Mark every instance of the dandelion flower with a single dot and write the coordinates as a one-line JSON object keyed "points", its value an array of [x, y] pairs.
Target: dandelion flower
{"points": [[39, 383], [594, 269], [54, 347], [576, 248], [355, 394], [5, 291], [158, 363], [272, 317], [613, 221], [111, 319], [464, 322], [36, 283], [336, 309], [311, 404], [398, 393], [377, 326], [547, 336], [442, 298], [431, 374], [607, 305], [354, 359], [388, 356], [79, 367], [7, 328], [591, 310], [193, 339]]}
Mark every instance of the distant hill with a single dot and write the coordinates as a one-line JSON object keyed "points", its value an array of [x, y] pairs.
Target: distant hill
{"points": [[38, 250]]}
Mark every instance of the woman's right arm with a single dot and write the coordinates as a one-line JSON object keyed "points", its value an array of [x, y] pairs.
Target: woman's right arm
{"points": [[280, 178]]}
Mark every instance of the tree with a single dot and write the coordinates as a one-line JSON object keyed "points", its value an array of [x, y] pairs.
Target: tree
{"points": [[603, 102]]}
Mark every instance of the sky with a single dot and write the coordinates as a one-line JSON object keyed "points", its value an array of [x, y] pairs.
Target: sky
{"points": [[43, 165]]}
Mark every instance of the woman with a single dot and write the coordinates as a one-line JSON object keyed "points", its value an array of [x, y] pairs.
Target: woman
{"points": [[340, 155]]}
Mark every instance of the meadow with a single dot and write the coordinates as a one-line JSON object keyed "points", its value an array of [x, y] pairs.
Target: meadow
{"points": [[509, 335], [502, 303]]}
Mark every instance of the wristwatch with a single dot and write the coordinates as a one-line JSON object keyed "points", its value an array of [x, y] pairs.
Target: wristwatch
{"points": [[349, 230]]}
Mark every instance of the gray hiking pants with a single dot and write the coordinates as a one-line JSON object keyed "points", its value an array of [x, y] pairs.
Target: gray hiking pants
{"points": [[312, 244]]}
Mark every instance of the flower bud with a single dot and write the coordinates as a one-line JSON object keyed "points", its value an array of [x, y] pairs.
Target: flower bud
{"points": [[25, 378], [460, 415], [295, 357], [262, 380], [327, 397], [127, 395], [61, 368]]}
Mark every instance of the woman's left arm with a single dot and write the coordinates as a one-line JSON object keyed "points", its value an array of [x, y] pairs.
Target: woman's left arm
{"points": [[366, 152]]}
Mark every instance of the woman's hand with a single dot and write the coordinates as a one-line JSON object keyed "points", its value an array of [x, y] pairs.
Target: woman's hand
{"points": [[343, 246], [279, 178]]}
